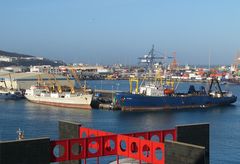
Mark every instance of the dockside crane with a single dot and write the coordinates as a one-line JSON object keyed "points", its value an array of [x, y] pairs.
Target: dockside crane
{"points": [[71, 84], [59, 87], [10, 77], [74, 74], [52, 83], [39, 80]]}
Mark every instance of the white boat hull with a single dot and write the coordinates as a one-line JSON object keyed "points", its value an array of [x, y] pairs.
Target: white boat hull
{"points": [[81, 101]]}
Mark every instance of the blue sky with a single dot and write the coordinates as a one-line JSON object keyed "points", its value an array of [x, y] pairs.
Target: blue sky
{"points": [[119, 31]]}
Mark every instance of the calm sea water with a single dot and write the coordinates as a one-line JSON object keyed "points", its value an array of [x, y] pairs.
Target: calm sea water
{"points": [[40, 120]]}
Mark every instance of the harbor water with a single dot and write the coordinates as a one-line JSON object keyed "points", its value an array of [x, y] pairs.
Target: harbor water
{"points": [[41, 120]]}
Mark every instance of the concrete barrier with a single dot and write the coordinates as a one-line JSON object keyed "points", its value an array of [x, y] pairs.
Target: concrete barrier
{"points": [[69, 130], [177, 152], [196, 134], [27, 151]]}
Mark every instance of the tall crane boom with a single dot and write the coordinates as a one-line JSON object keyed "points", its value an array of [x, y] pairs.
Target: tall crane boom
{"points": [[73, 72]]}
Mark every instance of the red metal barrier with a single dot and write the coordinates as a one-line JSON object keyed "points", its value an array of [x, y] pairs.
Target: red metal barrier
{"points": [[81, 144], [156, 136], [146, 151], [141, 135], [95, 143], [63, 148], [171, 132], [83, 132], [158, 153], [94, 147], [110, 145], [122, 147], [134, 145], [87, 132]]}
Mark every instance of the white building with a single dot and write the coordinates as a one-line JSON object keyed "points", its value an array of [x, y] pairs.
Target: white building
{"points": [[7, 58]]}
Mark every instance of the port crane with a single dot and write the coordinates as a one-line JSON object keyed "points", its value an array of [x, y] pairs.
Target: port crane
{"points": [[74, 74], [39, 80], [151, 58], [59, 87], [71, 84]]}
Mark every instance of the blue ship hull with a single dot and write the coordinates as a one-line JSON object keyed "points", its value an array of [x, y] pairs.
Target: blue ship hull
{"points": [[128, 101]]}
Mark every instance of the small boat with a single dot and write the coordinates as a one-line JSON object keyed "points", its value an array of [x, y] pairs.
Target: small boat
{"points": [[42, 95], [11, 94], [7, 93], [154, 96]]}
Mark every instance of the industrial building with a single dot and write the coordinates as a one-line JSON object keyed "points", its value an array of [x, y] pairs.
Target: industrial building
{"points": [[26, 79]]}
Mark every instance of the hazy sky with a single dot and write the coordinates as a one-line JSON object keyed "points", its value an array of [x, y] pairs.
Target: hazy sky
{"points": [[119, 31]]}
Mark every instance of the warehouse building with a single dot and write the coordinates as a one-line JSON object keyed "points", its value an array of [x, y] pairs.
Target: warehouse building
{"points": [[25, 80]]}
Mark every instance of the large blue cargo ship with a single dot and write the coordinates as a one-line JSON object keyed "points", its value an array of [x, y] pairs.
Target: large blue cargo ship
{"points": [[156, 97]]}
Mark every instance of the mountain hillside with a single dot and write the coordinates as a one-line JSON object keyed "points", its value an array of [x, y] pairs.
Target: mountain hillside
{"points": [[17, 59]]}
